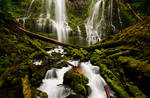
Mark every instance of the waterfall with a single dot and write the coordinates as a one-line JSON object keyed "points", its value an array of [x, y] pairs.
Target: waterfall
{"points": [[45, 16], [52, 17], [101, 19], [54, 78], [52, 84], [92, 24], [96, 82], [27, 14], [61, 24], [79, 31]]}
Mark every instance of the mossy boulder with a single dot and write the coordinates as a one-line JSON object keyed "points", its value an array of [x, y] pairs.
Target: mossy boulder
{"points": [[77, 82]]}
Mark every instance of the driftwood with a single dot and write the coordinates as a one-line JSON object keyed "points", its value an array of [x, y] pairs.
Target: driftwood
{"points": [[129, 6], [107, 91]]}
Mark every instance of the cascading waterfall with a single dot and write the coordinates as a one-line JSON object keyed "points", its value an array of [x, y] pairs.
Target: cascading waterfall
{"points": [[54, 77], [100, 20], [96, 82], [57, 22], [93, 35], [79, 31], [104, 18], [60, 22], [52, 84], [45, 16], [27, 14]]}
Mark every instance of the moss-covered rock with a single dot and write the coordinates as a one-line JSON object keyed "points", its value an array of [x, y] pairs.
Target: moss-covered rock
{"points": [[77, 82]]}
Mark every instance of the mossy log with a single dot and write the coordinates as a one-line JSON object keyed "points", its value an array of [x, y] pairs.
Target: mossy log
{"points": [[41, 37], [27, 92]]}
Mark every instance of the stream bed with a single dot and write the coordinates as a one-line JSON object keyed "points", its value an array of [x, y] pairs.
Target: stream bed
{"points": [[53, 81]]}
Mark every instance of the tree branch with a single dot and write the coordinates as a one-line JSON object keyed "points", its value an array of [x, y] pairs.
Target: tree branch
{"points": [[129, 6]]}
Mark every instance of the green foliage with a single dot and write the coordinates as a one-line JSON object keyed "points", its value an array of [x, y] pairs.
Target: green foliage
{"points": [[41, 94], [75, 96], [74, 22], [136, 91], [5, 4], [80, 89], [140, 6]]}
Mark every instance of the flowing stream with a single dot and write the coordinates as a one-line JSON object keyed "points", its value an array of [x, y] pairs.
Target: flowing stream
{"points": [[52, 83]]}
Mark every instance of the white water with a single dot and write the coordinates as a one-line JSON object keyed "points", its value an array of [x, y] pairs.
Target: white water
{"points": [[99, 22], [94, 24], [59, 22], [54, 78], [79, 31], [52, 83], [96, 82]]}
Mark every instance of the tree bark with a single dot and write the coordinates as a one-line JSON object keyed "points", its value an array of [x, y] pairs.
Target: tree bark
{"points": [[107, 91]]}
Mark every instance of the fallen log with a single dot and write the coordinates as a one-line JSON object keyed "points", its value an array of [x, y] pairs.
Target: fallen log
{"points": [[77, 69], [129, 6], [41, 37], [107, 91]]}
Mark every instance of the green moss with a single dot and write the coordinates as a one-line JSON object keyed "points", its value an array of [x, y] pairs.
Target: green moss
{"points": [[77, 82], [136, 64], [75, 96], [77, 53], [41, 94], [80, 89], [26, 87], [113, 82], [135, 91]]}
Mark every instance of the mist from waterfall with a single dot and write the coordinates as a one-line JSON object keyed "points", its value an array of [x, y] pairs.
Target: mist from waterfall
{"points": [[101, 19]]}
